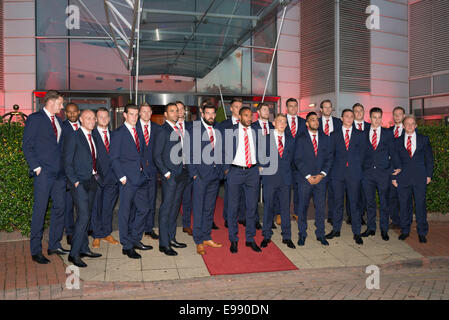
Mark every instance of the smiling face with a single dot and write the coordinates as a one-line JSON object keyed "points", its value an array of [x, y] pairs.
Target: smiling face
{"points": [[280, 123], [131, 116], [292, 108], [246, 118], [398, 116], [313, 123], [88, 120], [359, 113], [72, 112], [103, 119], [145, 113], [410, 125], [181, 111], [326, 109], [376, 120]]}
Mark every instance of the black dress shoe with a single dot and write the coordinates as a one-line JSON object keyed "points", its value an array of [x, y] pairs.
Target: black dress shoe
{"points": [[289, 243], [358, 239], [242, 222], [40, 258], [349, 221], [323, 241], [69, 240], [422, 239], [301, 241], [214, 226], [168, 251], [253, 246], [77, 261], [58, 251], [385, 236], [152, 235], [226, 224], [90, 254], [176, 244], [258, 225], [234, 247], [273, 226], [265, 243], [141, 246], [332, 234], [329, 220], [368, 233], [403, 236], [131, 253]]}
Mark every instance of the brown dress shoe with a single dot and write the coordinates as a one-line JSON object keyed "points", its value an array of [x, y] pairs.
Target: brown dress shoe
{"points": [[187, 230], [295, 217], [212, 243], [110, 239], [200, 249], [278, 219], [96, 243]]}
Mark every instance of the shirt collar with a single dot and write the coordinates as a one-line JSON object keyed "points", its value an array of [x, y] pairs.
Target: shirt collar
{"points": [[130, 127], [400, 126], [234, 120], [279, 134], [47, 112], [85, 131], [171, 124], [344, 129], [101, 130], [205, 124], [413, 135], [144, 124]]}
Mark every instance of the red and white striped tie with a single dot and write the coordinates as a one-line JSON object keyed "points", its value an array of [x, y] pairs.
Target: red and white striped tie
{"points": [[136, 139], [374, 140], [182, 130], [147, 135], [396, 132], [265, 131], [211, 137], [247, 150], [76, 126], [326, 128], [360, 126], [315, 145], [53, 124], [409, 146], [94, 160], [347, 143], [294, 126], [280, 146], [106, 140]]}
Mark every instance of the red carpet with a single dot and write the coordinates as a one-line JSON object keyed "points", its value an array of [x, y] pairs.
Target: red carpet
{"points": [[222, 261]]}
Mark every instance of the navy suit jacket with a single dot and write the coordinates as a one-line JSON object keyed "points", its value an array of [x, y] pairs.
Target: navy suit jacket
{"points": [[109, 177], [256, 126], [163, 149], [67, 127], [305, 159], [381, 157], [284, 172], [199, 144], [366, 126], [353, 156], [40, 146], [149, 166], [336, 122], [417, 168], [126, 160], [228, 157], [300, 127], [77, 157]]}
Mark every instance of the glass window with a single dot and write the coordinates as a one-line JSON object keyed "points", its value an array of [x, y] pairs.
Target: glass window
{"points": [[52, 66]]}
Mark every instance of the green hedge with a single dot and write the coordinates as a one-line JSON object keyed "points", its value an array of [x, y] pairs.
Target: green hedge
{"points": [[16, 187]]}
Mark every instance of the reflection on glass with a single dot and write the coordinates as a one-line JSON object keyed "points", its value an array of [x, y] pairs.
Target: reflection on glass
{"points": [[51, 65]]}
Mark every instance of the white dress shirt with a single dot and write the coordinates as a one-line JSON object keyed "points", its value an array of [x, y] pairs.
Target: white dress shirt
{"points": [[101, 132], [331, 123], [356, 123], [311, 134], [240, 159], [131, 131], [413, 141], [86, 133], [344, 132], [206, 126], [289, 119], [371, 133], [73, 124], [235, 120], [58, 128], [400, 128], [262, 124], [182, 140], [143, 124], [276, 139]]}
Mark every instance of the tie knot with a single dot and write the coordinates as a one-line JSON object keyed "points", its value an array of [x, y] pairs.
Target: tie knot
{"points": [[146, 126], [52, 117], [105, 131], [244, 129], [347, 130], [314, 135], [89, 135]]}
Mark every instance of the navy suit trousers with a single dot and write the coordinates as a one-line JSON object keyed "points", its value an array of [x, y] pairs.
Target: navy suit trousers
{"points": [[276, 196], [376, 179], [103, 209], [318, 191], [405, 193], [69, 220], [187, 204]]}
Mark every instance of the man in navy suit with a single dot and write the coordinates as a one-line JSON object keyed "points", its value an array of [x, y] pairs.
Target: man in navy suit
{"points": [[236, 104], [263, 126], [277, 179], [206, 172], [126, 154], [361, 125], [348, 148], [148, 132], [70, 125], [377, 170], [170, 157], [296, 126], [186, 201], [242, 171], [42, 148], [329, 124], [393, 203], [413, 156], [313, 159], [82, 169], [107, 189]]}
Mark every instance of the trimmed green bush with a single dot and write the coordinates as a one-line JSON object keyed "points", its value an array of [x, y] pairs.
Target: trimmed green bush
{"points": [[16, 187]]}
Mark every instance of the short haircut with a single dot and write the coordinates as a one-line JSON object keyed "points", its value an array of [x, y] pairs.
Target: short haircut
{"points": [[358, 105], [72, 104], [130, 106], [236, 99], [290, 100], [102, 109], [243, 109], [311, 113], [145, 105], [346, 110], [399, 108], [323, 102], [375, 109], [180, 102], [281, 115], [208, 105], [85, 111], [410, 116], [170, 104], [262, 104], [52, 95]]}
